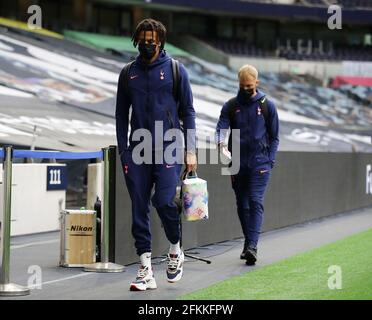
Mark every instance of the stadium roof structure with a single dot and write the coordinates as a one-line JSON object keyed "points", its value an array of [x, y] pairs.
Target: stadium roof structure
{"points": [[257, 9]]}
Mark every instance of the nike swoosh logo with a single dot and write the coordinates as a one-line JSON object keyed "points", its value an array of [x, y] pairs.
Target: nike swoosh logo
{"points": [[133, 77], [263, 171], [263, 100], [167, 166]]}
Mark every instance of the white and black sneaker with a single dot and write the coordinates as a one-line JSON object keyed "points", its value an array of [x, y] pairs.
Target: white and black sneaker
{"points": [[144, 281], [175, 267]]}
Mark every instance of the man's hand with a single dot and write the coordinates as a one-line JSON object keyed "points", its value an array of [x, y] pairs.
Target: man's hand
{"points": [[224, 150], [190, 161]]}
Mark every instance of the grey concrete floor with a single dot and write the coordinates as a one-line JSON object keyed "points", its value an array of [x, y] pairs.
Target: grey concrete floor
{"points": [[41, 252]]}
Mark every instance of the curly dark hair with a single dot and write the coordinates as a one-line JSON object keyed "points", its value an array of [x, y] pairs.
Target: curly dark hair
{"points": [[150, 25]]}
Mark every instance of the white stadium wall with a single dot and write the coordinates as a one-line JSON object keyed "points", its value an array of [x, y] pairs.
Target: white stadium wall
{"points": [[34, 209], [319, 69], [357, 68]]}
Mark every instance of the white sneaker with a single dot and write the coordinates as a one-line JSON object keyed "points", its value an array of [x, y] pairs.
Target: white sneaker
{"points": [[144, 281], [175, 267]]}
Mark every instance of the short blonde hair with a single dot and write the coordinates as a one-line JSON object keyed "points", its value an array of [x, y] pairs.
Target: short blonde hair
{"points": [[246, 71]]}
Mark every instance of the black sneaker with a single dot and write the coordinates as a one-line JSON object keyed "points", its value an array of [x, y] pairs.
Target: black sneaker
{"points": [[250, 256], [242, 255]]}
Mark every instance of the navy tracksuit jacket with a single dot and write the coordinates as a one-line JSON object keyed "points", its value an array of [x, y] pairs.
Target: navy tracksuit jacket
{"points": [[151, 98], [257, 158]]}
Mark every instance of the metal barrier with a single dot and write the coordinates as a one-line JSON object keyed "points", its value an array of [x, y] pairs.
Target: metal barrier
{"points": [[7, 288], [10, 289], [57, 155], [105, 265]]}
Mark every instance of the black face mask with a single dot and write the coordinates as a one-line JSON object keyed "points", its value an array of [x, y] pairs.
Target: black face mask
{"points": [[147, 51], [246, 94]]}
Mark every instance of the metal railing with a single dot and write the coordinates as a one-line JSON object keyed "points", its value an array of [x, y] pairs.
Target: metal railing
{"points": [[8, 153]]}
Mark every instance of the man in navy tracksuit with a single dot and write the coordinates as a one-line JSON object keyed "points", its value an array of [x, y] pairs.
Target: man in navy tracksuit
{"points": [[146, 89], [257, 119]]}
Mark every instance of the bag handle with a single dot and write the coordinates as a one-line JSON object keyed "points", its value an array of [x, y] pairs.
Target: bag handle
{"points": [[189, 175]]}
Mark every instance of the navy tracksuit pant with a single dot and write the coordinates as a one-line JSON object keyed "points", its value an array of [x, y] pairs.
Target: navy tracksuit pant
{"points": [[140, 180], [249, 190]]}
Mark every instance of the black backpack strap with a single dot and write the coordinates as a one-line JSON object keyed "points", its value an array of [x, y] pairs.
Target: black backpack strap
{"points": [[232, 104], [176, 79], [265, 112], [231, 107], [126, 70], [176, 85]]}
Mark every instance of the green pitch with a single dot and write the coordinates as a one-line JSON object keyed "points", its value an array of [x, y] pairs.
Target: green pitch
{"points": [[305, 276]]}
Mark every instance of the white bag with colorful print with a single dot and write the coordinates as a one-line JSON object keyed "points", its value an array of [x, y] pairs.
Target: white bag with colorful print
{"points": [[194, 198]]}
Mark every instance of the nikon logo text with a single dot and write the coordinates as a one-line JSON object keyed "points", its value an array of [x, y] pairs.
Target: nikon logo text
{"points": [[81, 228]]}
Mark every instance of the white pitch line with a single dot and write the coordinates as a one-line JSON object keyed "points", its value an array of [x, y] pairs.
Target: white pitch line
{"points": [[80, 275], [62, 279], [36, 243]]}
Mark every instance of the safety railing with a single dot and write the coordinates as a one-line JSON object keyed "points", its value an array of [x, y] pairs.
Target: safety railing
{"points": [[8, 154]]}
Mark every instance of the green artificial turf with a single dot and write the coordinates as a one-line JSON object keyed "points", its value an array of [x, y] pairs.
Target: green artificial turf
{"points": [[304, 276]]}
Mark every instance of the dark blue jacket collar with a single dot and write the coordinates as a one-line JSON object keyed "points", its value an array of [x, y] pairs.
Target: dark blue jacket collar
{"points": [[257, 97], [162, 57]]}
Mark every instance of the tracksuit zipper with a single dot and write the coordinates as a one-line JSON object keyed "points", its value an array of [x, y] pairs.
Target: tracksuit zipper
{"points": [[147, 96]]}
